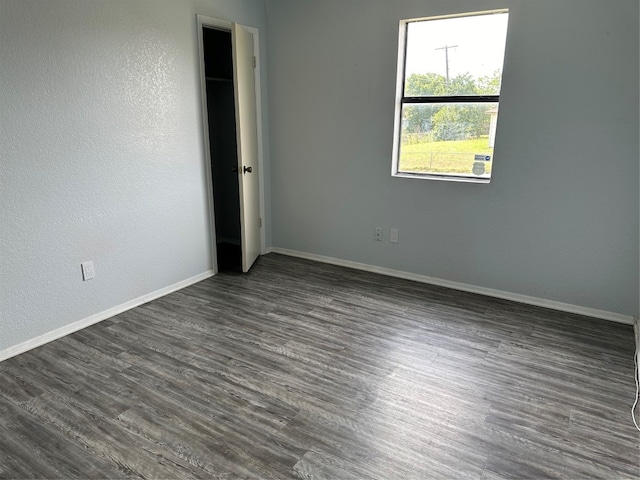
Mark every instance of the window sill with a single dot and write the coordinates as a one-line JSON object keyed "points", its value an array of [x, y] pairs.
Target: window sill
{"points": [[443, 178]]}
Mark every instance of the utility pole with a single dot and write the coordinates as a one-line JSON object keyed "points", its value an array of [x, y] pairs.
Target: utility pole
{"points": [[446, 57]]}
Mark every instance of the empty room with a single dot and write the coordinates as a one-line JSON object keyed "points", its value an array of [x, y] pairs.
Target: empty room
{"points": [[319, 239]]}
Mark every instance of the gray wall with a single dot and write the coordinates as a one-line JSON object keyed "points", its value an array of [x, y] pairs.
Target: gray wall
{"points": [[101, 154], [559, 220]]}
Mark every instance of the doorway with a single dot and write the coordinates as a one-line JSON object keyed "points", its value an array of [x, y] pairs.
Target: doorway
{"points": [[223, 149], [230, 91]]}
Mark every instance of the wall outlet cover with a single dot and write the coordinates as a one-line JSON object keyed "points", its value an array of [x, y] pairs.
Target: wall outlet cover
{"points": [[88, 271]]}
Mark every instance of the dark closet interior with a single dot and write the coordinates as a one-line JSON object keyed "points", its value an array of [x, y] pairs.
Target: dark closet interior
{"points": [[222, 146]]}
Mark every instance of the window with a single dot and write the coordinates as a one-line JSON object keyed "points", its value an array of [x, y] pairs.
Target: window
{"points": [[449, 76]]}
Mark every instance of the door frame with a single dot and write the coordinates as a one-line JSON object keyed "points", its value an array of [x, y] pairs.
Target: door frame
{"points": [[210, 22]]}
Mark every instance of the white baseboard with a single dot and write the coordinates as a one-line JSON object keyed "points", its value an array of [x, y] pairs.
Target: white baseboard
{"points": [[98, 317], [490, 292], [636, 331]]}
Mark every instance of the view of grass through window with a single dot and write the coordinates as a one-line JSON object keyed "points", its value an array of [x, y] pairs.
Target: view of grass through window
{"points": [[451, 86], [456, 137]]}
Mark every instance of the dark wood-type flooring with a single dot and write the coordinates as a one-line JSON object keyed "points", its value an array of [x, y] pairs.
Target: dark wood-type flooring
{"points": [[306, 370]]}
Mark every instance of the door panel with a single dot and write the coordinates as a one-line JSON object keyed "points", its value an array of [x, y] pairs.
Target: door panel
{"points": [[247, 140]]}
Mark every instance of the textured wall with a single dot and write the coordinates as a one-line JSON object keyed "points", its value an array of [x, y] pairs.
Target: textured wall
{"points": [[559, 220], [101, 154]]}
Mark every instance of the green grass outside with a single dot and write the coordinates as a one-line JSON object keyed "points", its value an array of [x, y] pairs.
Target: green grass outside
{"points": [[455, 156]]}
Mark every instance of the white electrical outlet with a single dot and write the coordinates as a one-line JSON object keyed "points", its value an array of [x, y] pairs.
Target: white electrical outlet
{"points": [[393, 235], [377, 234], [88, 271]]}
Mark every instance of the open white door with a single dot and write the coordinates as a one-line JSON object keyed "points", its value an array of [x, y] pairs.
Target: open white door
{"points": [[247, 140]]}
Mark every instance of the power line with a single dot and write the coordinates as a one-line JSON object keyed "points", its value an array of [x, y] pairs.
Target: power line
{"points": [[446, 57]]}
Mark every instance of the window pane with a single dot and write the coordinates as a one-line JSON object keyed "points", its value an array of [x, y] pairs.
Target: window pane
{"points": [[455, 56], [449, 138]]}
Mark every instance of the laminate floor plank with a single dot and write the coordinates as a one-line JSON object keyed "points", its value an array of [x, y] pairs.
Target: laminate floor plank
{"points": [[37, 454], [103, 439], [307, 370], [51, 377], [16, 388], [98, 338]]}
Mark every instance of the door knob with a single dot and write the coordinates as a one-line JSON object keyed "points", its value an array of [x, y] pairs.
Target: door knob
{"points": [[247, 169]]}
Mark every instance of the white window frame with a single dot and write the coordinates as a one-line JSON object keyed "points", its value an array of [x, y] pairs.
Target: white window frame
{"points": [[400, 100]]}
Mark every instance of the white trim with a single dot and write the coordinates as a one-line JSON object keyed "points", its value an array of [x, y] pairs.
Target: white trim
{"points": [[397, 115], [636, 335], [202, 21], [449, 177], [636, 331], [98, 317], [256, 51], [459, 15], [490, 292]]}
